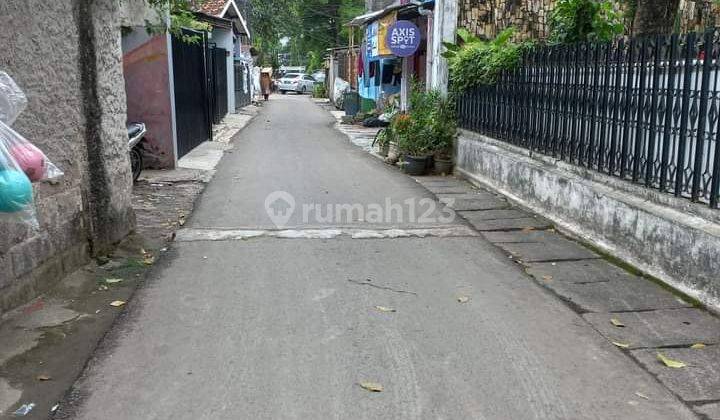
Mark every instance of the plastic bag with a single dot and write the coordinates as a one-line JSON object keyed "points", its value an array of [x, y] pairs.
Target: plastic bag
{"points": [[16, 192], [12, 99], [340, 87], [31, 160]]}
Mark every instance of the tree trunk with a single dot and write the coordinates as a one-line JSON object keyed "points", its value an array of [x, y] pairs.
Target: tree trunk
{"points": [[654, 17]]}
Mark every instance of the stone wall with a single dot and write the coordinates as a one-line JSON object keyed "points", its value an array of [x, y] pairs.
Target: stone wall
{"points": [[486, 18], [696, 15], [65, 55]]}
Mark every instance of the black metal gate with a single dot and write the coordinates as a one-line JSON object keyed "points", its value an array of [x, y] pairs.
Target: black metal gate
{"points": [[218, 83], [192, 113], [242, 85]]}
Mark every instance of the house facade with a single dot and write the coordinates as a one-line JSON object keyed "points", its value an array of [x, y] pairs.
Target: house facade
{"points": [[179, 89], [230, 32]]}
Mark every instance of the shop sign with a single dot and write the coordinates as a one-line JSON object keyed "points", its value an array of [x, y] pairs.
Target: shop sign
{"points": [[403, 38]]}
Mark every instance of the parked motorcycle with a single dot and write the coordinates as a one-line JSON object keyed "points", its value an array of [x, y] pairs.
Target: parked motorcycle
{"points": [[136, 133]]}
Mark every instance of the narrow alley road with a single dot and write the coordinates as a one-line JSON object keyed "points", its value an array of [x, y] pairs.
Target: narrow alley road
{"points": [[246, 321]]}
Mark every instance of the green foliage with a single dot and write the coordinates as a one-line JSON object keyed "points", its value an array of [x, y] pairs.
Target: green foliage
{"points": [[584, 20], [315, 61], [319, 91], [477, 62], [428, 127], [181, 16], [311, 26]]}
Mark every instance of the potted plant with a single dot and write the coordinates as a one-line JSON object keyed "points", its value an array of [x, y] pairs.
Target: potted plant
{"points": [[411, 137], [414, 131], [382, 141], [444, 130]]}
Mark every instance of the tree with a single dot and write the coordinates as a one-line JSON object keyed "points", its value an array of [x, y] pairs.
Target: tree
{"points": [[311, 26], [584, 20], [181, 17], [654, 17]]}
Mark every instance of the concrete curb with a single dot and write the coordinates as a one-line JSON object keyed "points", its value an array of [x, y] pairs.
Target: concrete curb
{"points": [[679, 247]]}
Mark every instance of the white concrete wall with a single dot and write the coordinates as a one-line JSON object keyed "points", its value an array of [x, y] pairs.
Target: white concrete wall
{"points": [[444, 27], [669, 238]]}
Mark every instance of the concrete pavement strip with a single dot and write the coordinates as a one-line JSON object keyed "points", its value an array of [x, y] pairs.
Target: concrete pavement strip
{"points": [[205, 234]]}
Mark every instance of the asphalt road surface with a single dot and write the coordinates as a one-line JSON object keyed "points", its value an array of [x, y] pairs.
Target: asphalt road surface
{"points": [[284, 323]]}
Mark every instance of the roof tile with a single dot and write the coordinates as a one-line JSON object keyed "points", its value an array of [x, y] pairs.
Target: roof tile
{"points": [[211, 7]]}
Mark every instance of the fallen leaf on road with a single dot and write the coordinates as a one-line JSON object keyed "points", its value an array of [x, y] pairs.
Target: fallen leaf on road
{"points": [[148, 257], [616, 322], [117, 303], [621, 345], [670, 362], [43, 378], [698, 346], [642, 395], [385, 309], [372, 386], [463, 299], [113, 281]]}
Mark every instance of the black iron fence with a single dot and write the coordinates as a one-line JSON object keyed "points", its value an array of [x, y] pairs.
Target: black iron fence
{"points": [[645, 110]]}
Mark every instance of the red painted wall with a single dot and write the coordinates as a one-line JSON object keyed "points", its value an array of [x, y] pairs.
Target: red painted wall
{"points": [[148, 99]]}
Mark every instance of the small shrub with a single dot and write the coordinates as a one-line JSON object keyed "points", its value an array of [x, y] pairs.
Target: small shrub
{"points": [[320, 91], [477, 62], [428, 127]]}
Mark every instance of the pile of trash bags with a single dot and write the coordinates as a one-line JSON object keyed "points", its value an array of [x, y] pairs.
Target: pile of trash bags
{"points": [[21, 162]]}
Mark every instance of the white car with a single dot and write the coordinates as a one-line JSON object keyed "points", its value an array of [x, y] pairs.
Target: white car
{"points": [[296, 82]]}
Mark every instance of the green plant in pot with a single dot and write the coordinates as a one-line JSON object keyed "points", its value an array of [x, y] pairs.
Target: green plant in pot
{"points": [[383, 139], [443, 125], [414, 131], [412, 142]]}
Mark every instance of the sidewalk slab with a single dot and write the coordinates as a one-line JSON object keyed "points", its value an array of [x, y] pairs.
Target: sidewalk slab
{"points": [[661, 328], [448, 182], [483, 215], [631, 294], [448, 189], [523, 237], [509, 224], [468, 195], [698, 381], [555, 250], [586, 271], [465, 204]]}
